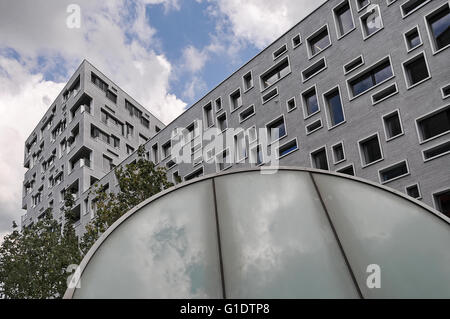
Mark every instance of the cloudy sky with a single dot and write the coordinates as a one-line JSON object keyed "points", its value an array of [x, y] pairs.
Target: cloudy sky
{"points": [[164, 53]]}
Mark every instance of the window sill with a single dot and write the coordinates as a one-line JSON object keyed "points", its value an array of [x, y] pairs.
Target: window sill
{"points": [[368, 90], [394, 179], [268, 87], [348, 32], [372, 163], [394, 137], [409, 87], [372, 34], [317, 53]]}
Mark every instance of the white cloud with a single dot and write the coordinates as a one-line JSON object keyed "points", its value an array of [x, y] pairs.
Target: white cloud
{"points": [[195, 86], [116, 39], [194, 60], [262, 21]]}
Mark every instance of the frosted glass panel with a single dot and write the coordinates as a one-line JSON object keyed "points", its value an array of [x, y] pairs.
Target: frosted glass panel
{"points": [[410, 244], [276, 239], [168, 249]]}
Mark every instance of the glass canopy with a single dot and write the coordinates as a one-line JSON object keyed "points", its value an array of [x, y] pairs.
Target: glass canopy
{"points": [[299, 233]]}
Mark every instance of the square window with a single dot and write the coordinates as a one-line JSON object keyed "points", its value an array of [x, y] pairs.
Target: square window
{"points": [[438, 24], [296, 41], [371, 22], [291, 104], [392, 125], [416, 70], [370, 150], [338, 153], [318, 41], [442, 201], [413, 39], [361, 4], [414, 191], [445, 91], [319, 159], [235, 100]]}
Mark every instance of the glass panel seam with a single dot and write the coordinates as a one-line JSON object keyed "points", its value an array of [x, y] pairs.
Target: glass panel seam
{"points": [[355, 282]]}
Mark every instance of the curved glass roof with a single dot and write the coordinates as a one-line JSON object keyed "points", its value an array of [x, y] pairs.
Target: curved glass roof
{"points": [[299, 233]]}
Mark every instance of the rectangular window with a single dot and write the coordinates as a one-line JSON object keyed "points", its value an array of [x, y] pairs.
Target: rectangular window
{"points": [[392, 125], [314, 69], [343, 18], [269, 95], [371, 22], [276, 129], [310, 102], [130, 149], [218, 104], [195, 174], [384, 94], [370, 150], [416, 70], [411, 6], [434, 124], [361, 4], [248, 81], [222, 122], [394, 172], [353, 64], [335, 112], [371, 77], [442, 202], [314, 126], [257, 156], [145, 122], [155, 154], [349, 170], [445, 90], [287, 148], [208, 115], [414, 191], [275, 73], [290, 104], [247, 113], [438, 24], [436, 151], [99, 82], [318, 41], [111, 96], [412, 39], [296, 41], [319, 159], [107, 163], [166, 149], [279, 52], [240, 146], [130, 130], [338, 153], [235, 100]]}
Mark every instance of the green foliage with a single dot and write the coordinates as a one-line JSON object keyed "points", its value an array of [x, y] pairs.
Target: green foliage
{"points": [[33, 261], [138, 181]]}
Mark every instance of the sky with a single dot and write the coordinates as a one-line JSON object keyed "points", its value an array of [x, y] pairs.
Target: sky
{"points": [[167, 54]]}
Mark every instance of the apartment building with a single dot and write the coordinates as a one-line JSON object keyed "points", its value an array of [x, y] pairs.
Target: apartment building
{"points": [[359, 87], [89, 129]]}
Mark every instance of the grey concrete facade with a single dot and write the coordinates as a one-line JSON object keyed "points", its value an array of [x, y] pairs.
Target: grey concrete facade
{"points": [[400, 162]]}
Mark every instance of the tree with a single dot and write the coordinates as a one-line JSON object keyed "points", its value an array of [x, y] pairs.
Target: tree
{"points": [[33, 261], [138, 181]]}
